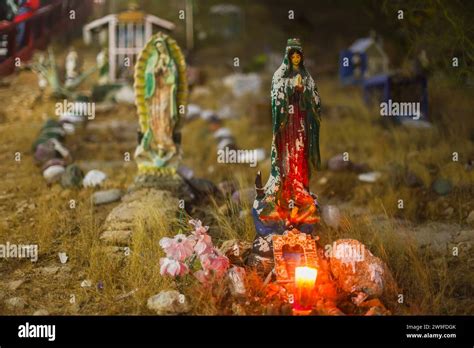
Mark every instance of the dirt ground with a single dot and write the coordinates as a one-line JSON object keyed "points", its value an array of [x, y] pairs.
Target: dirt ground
{"points": [[434, 282]]}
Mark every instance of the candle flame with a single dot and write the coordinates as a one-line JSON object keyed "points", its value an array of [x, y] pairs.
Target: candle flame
{"points": [[306, 274]]}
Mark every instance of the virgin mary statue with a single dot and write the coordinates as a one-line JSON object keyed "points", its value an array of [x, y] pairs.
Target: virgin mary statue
{"points": [[285, 202]]}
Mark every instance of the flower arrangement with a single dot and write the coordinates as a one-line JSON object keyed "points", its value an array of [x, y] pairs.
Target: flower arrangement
{"points": [[194, 254]]}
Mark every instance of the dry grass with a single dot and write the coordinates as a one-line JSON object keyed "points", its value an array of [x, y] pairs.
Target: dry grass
{"points": [[431, 284]]}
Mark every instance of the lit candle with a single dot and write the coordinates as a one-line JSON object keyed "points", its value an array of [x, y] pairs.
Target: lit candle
{"points": [[305, 280]]}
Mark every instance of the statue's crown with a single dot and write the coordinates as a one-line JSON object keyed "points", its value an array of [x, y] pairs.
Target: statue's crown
{"points": [[294, 43]]}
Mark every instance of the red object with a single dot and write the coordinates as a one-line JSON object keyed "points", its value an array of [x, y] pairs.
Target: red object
{"points": [[295, 205], [31, 6], [36, 26]]}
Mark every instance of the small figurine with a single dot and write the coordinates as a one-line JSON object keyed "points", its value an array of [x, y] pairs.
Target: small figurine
{"points": [[161, 98], [48, 74], [285, 202], [72, 67]]}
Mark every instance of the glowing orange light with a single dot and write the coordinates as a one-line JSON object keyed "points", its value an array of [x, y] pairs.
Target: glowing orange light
{"points": [[305, 276], [305, 281]]}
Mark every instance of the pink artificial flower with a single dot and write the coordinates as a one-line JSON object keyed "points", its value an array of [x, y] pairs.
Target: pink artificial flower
{"points": [[202, 275], [198, 227], [178, 248], [216, 263], [203, 244], [199, 235], [172, 267]]}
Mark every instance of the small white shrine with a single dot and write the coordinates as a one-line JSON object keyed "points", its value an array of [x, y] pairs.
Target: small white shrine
{"points": [[128, 33]]}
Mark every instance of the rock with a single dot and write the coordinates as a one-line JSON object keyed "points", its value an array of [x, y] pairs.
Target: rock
{"points": [[226, 142], [194, 111], [168, 303], [41, 312], [69, 128], [94, 178], [104, 197], [323, 181], [236, 277], [331, 216], [262, 265], [62, 257], [470, 218], [185, 172], [125, 95], [442, 186], [465, 236], [15, 303], [244, 196], [117, 237], [370, 177], [236, 251], [338, 164], [208, 115], [223, 133], [86, 283], [71, 117], [15, 284], [51, 270], [436, 236], [53, 162], [72, 177], [141, 203], [45, 152], [357, 271], [53, 173]]}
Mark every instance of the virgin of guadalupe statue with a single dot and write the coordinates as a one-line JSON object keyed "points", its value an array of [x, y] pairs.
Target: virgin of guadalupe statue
{"points": [[161, 93], [285, 202]]}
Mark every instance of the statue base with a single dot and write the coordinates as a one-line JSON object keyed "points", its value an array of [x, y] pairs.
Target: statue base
{"points": [[173, 183]]}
